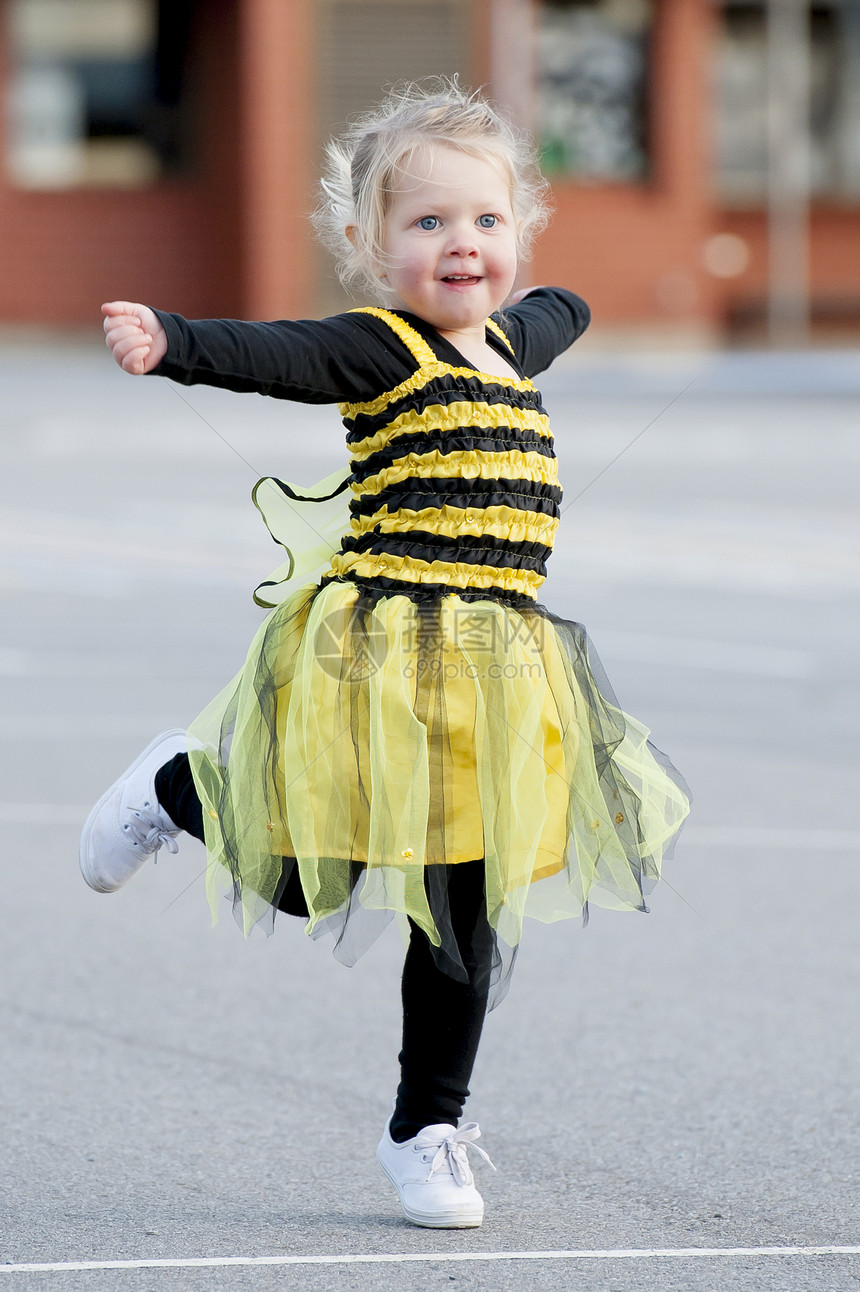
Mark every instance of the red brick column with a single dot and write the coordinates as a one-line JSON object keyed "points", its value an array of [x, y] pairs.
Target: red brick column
{"points": [[635, 250], [276, 156]]}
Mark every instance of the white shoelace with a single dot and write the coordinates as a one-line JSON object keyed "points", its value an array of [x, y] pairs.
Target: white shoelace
{"points": [[149, 830], [452, 1151]]}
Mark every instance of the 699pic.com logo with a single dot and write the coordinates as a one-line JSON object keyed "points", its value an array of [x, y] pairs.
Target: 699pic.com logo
{"points": [[349, 649]]}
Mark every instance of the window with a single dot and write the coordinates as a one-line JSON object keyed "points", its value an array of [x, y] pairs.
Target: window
{"points": [[742, 147], [95, 91], [592, 88], [366, 47]]}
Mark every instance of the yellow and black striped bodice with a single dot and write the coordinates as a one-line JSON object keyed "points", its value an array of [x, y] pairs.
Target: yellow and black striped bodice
{"points": [[454, 486]]}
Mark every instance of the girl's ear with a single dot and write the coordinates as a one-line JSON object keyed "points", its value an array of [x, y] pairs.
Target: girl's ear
{"points": [[351, 232]]}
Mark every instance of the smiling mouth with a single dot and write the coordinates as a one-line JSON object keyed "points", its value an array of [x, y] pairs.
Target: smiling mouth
{"points": [[461, 280]]}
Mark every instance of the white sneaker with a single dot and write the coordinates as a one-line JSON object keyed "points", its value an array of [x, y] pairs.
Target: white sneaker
{"points": [[432, 1176], [127, 826]]}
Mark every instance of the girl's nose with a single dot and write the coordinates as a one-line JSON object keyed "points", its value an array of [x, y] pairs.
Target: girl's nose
{"points": [[462, 242]]}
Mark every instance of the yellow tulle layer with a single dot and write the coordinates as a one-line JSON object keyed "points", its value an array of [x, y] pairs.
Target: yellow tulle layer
{"points": [[453, 417], [506, 523], [370, 738], [459, 574], [466, 465]]}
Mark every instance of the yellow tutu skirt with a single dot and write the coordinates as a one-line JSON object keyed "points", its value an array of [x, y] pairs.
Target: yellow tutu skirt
{"points": [[367, 739]]}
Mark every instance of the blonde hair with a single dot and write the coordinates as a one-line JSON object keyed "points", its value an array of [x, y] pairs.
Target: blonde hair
{"points": [[362, 167]]}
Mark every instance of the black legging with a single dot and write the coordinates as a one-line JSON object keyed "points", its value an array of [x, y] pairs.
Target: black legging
{"points": [[442, 1016]]}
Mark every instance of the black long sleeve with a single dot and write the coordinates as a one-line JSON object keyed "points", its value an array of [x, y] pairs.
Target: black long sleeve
{"points": [[347, 358], [543, 325], [313, 361]]}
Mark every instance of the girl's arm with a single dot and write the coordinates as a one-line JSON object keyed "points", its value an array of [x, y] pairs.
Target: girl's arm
{"points": [[521, 295], [312, 361], [134, 336], [542, 322]]}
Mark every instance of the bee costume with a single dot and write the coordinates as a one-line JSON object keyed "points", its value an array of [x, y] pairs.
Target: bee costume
{"points": [[408, 705]]}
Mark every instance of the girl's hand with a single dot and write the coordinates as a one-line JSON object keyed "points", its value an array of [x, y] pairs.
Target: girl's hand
{"points": [[134, 336], [518, 296]]}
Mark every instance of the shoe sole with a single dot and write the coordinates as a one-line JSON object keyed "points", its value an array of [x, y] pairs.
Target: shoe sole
{"points": [[86, 833], [436, 1219]]}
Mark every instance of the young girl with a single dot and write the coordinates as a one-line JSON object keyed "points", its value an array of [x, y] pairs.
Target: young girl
{"points": [[412, 733]]}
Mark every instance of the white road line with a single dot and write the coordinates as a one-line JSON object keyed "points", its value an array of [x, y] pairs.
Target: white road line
{"points": [[741, 838], [43, 814], [73, 726], [639, 648], [394, 1258], [694, 652], [762, 838]]}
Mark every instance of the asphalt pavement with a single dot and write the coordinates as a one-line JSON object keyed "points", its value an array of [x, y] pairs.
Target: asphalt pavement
{"points": [[653, 1084]]}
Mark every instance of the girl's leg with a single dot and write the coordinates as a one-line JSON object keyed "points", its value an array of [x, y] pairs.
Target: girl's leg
{"points": [[443, 1017], [174, 788], [129, 824]]}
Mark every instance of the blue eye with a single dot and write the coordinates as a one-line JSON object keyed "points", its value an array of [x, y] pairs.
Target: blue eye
{"points": [[428, 222], [487, 221]]}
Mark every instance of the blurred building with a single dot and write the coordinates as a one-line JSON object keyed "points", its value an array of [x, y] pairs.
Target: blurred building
{"points": [[167, 150]]}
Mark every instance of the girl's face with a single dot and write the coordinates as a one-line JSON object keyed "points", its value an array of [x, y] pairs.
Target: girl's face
{"points": [[449, 238]]}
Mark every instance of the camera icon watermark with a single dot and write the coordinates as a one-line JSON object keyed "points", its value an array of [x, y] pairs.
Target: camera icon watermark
{"points": [[351, 647], [348, 648]]}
